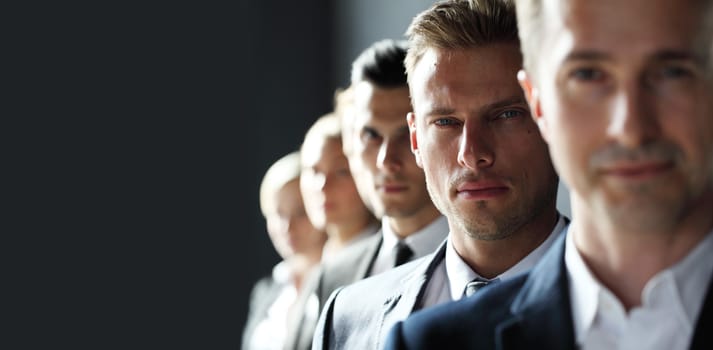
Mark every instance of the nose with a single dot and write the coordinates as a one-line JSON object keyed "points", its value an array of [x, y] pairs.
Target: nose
{"points": [[389, 158], [475, 150], [633, 121]]}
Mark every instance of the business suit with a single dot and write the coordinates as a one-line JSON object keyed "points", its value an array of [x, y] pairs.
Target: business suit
{"points": [[367, 309], [353, 264], [530, 311]]}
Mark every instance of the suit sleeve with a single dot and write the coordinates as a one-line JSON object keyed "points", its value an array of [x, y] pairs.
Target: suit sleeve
{"points": [[395, 338], [325, 329]]}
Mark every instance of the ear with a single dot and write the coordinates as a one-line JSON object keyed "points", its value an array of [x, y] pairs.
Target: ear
{"points": [[532, 94], [411, 120]]}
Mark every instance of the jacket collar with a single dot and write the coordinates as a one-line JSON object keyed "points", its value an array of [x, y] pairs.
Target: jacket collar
{"points": [[407, 299], [541, 311]]}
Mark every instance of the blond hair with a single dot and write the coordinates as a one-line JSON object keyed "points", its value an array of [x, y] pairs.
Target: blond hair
{"points": [[529, 17], [343, 108], [460, 24], [282, 172], [327, 127]]}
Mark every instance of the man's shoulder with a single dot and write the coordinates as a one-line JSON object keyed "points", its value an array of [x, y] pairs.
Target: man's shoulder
{"points": [[350, 256], [477, 317], [387, 282], [358, 316]]}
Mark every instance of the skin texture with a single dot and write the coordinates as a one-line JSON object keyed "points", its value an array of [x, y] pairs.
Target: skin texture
{"points": [[289, 228], [381, 144], [329, 192], [624, 98], [486, 166]]}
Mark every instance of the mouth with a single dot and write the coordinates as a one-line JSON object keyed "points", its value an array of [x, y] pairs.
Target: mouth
{"points": [[392, 188], [481, 190], [637, 171]]}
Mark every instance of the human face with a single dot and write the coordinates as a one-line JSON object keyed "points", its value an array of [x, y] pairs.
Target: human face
{"points": [[327, 185], [487, 168], [398, 185], [289, 228], [624, 98]]}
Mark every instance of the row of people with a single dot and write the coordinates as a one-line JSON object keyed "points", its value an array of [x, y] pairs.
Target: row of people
{"points": [[620, 94]]}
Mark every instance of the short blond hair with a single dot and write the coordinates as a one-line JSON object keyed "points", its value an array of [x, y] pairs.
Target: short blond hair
{"points": [[327, 127], [460, 24], [344, 109], [529, 17], [282, 172]]}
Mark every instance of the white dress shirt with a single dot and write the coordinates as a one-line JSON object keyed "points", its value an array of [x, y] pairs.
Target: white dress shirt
{"points": [[422, 242], [452, 274], [271, 332], [670, 303]]}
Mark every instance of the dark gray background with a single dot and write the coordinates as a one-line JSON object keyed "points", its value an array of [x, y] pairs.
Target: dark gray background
{"points": [[151, 126]]}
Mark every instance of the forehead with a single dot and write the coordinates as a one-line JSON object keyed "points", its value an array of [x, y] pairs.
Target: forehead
{"points": [[631, 27], [322, 152], [380, 107], [289, 194], [466, 78]]}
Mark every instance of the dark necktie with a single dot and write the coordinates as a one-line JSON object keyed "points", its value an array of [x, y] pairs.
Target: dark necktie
{"points": [[402, 253], [474, 285]]}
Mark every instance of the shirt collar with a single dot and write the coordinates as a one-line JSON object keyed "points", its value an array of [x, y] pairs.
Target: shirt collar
{"points": [[281, 273], [681, 286], [421, 242], [692, 276], [459, 273], [584, 290]]}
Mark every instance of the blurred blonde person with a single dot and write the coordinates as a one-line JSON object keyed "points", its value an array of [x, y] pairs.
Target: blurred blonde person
{"points": [[299, 244], [330, 193]]}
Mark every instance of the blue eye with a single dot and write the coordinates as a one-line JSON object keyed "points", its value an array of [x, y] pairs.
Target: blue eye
{"points": [[512, 113], [444, 122], [674, 72], [587, 74]]}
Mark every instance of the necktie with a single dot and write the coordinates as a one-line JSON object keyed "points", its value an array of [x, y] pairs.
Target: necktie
{"points": [[402, 253], [474, 285]]}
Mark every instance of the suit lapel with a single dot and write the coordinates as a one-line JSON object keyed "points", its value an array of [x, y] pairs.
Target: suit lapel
{"points": [[364, 267], [406, 299], [701, 336], [541, 311]]}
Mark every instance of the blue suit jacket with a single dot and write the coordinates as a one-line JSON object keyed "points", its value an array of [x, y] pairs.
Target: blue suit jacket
{"points": [[531, 311]]}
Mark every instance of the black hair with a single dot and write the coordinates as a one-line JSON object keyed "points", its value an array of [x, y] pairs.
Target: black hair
{"points": [[381, 64]]}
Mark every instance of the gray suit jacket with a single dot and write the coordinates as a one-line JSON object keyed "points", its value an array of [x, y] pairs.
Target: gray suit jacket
{"points": [[360, 315], [353, 264]]}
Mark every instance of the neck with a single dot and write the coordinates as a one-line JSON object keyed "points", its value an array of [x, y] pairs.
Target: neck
{"points": [[624, 261], [404, 226], [490, 258], [300, 266]]}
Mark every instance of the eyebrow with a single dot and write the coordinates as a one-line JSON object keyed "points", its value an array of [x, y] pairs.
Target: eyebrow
{"points": [[662, 55], [679, 55], [508, 101], [586, 55]]}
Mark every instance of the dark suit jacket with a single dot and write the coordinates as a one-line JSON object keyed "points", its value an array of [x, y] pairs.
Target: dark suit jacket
{"points": [[262, 296], [358, 316], [531, 311]]}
